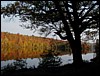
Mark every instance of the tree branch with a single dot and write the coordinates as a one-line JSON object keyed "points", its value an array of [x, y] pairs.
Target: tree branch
{"points": [[87, 12], [66, 27], [69, 14], [76, 18], [86, 24], [81, 12], [58, 33]]}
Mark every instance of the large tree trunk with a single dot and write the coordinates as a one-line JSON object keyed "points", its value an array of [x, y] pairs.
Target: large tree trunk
{"points": [[76, 50]]}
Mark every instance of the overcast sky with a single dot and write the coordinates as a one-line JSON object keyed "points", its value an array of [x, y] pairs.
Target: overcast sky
{"points": [[13, 25]]}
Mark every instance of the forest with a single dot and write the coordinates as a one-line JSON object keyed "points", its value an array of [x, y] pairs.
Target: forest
{"points": [[17, 46]]}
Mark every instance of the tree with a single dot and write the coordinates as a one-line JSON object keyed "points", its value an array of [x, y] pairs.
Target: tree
{"points": [[67, 19]]}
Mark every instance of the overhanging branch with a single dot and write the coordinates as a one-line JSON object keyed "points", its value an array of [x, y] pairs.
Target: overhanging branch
{"points": [[69, 14], [87, 12], [58, 33], [76, 17], [85, 25], [66, 27], [81, 12]]}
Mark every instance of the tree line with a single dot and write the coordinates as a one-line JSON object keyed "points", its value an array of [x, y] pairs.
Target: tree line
{"points": [[17, 46]]}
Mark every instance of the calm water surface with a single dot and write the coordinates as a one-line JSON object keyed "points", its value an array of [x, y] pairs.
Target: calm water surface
{"points": [[65, 59]]}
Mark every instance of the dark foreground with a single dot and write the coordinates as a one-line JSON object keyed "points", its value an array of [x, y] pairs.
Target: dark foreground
{"points": [[86, 69]]}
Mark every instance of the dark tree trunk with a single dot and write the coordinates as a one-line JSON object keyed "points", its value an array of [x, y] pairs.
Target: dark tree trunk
{"points": [[74, 43], [76, 50]]}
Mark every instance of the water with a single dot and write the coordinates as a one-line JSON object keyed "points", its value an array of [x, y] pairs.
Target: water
{"points": [[65, 59]]}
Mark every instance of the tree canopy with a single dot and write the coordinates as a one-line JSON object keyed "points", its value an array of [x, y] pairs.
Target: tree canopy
{"points": [[49, 14]]}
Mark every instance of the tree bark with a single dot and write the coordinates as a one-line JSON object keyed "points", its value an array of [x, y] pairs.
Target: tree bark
{"points": [[74, 43], [76, 50]]}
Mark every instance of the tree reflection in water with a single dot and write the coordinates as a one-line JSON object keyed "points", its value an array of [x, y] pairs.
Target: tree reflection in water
{"points": [[18, 64], [49, 60]]}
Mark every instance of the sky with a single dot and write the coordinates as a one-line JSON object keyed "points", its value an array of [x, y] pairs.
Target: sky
{"points": [[12, 26]]}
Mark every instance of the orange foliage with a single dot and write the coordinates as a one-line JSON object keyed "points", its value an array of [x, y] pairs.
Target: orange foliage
{"points": [[16, 46]]}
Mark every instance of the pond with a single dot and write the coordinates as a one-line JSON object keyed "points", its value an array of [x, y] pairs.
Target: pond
{"points": [[29, 62]]}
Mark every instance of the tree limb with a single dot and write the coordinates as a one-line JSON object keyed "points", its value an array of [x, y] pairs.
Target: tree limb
{"points": [[66, 27], [58, 33], [81, 12], [76, 18], [87, 12], [69, 14], [86, 24]]}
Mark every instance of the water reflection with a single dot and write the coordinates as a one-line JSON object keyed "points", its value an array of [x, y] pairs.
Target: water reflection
{"points": [[18, 64], [49, 59]]}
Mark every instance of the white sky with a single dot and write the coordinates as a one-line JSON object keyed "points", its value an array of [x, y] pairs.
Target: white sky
{"points": [[13, 25]]}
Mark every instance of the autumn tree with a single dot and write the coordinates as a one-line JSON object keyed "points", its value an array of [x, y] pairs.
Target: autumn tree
{"points": [[67, 19]]}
